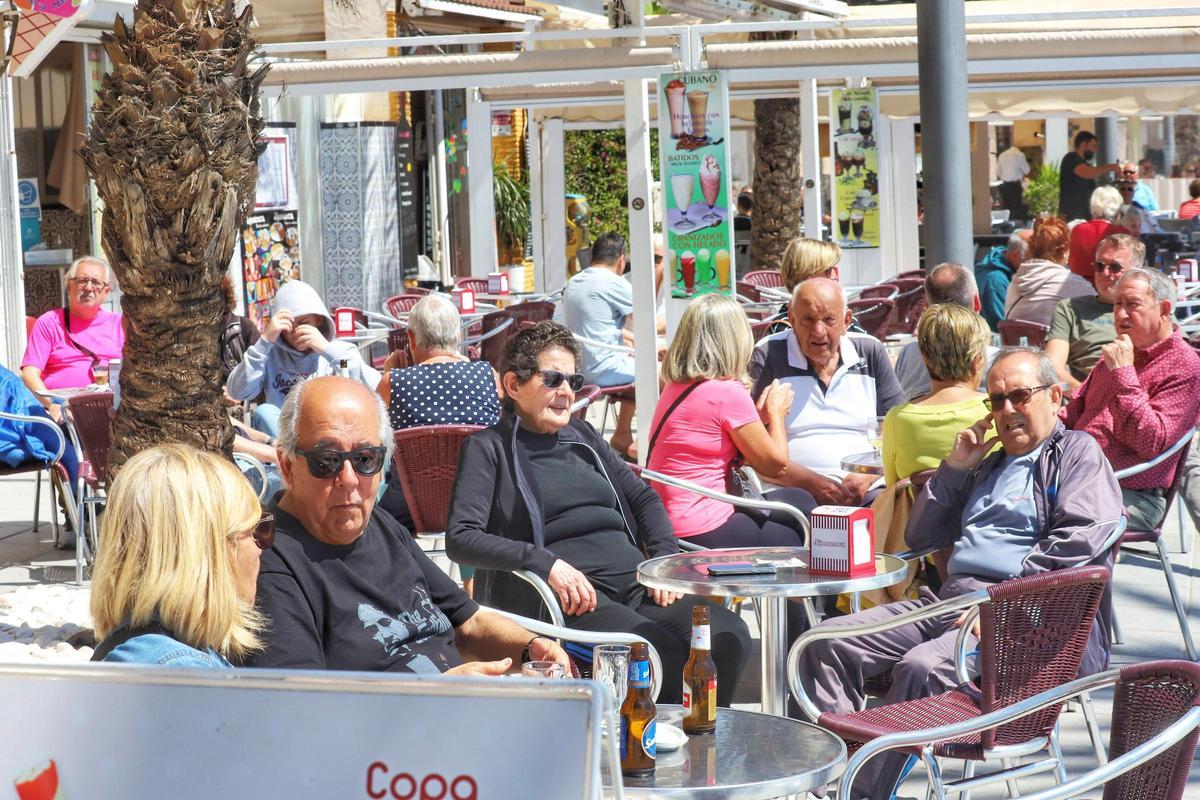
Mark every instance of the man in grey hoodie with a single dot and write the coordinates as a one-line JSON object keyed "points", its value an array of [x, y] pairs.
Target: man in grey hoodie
{"points": [[297, 343]]}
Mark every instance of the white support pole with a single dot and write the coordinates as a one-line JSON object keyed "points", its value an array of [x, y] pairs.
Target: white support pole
{"points": [[441, 196], [12, 280], [641, 235], [1057, 145], [554, 214], [484, 257], [537, 205], [307, 112], [898, 196], [810, 149]]}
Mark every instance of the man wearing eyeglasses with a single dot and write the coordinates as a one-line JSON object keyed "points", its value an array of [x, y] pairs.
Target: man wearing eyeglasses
{"points": [[1143, 395], [344, 587], [1046, 500], [1081, 326], [66, 343]]}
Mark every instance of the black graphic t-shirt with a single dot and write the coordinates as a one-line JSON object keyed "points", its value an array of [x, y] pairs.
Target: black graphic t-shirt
{"points": [[377, 605]]}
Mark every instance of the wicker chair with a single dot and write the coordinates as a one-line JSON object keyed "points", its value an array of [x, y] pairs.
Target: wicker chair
{"points": [[476, 285], [526, 315], [584, 398], [1179, 450], [1034, 631], [425, 463], [496, 327], [90, 415], [401, 303], [1156, 711], [918, 274], [1012, 331], [910, 304], [872, 315], [764, 277], [749, 292], [888, 290]]}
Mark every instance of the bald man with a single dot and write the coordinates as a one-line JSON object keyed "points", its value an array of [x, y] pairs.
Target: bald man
{"points": [[840, 382], [346, 587]]}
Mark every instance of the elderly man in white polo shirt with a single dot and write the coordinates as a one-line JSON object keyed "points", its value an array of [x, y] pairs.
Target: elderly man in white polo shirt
{"points": [[841, 383]]}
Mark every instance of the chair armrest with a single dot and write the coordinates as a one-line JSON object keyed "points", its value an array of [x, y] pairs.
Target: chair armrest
{"points": [[737, 502], [915, 555], [960, 603], [546, 593], [45, 422], [485, 336], [1137, 469], [690, 547], [1118, 531], [386, 319], [565, 634]]}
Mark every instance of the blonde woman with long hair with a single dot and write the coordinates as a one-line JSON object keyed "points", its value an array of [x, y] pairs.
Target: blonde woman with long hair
{"points": [[176, 571], [706, 419]]}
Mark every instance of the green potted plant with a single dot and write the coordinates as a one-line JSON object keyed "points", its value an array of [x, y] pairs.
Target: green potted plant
{"points": [[511, 199], [1041, 194]]}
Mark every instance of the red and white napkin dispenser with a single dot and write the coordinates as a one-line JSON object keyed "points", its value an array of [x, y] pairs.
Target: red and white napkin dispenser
{"points": [[343, 322], [842, 541], [497, 283], [464, 299]]}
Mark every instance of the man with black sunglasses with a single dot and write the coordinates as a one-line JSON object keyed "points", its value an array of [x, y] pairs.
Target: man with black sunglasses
{"points": [[1081, 326], [347, 587], [1046, 499]]}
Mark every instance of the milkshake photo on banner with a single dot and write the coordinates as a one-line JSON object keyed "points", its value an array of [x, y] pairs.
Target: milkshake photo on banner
{"points": [[693, 119], [855, 167]]}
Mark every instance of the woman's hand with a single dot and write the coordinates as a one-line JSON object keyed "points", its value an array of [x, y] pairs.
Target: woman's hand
{"points": [[775, 402], [575, 592], [662, 597]]}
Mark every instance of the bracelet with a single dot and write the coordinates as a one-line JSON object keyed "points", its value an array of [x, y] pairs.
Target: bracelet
{"points": [[526, 656]]}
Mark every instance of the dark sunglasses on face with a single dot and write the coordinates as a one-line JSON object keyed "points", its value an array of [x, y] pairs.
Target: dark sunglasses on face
{"points": [[1018, 397], [264, 531], [1112, 267], [552, 379], [325, 462]]}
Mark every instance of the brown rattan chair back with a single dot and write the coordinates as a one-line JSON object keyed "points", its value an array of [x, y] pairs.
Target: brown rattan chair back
{"points": [[749, 291], [888, 290], [401, 303], [764, 277], [1011, 331], [476, 285], [910, 304], [91, 414], [1148, 698], [872, 314], [425, 463], [1033, 635], [492, 347], [526, 315]]}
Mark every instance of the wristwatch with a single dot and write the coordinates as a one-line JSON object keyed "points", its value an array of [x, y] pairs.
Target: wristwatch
{"points": [[526, 657]]}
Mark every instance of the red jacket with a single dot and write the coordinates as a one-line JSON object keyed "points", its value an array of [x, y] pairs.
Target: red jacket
{"points": [[1084, 238]]}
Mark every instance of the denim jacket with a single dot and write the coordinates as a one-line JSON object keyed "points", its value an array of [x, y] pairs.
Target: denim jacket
{"points": [[163, 651]]}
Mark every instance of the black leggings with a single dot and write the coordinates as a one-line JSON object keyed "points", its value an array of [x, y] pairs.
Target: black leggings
{"points": [[669, 629], [758, 529]]}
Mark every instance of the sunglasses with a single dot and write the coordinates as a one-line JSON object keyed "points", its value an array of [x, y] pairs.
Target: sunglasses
{"points": [[324, 462], [89, 283], [1018, 397], [552, 379], [264, 531], [1111, 267]]}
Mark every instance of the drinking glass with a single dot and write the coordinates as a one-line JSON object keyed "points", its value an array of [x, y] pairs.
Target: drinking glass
{"points": [[875, 433], [100, 373], [610, 666], [542, 669]]}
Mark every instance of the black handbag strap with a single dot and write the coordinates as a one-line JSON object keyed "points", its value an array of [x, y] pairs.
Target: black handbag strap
{"points": [[672, 407], [67, 330]]}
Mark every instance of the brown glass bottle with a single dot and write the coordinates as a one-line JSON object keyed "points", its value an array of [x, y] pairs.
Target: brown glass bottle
{"points": [[638, 717], [700, 678]]}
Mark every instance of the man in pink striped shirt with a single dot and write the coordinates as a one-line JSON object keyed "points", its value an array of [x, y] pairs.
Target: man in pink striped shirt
{"points": [[1143, 394]]}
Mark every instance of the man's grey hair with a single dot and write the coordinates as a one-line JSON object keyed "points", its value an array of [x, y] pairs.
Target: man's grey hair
{"points": [[1131, 217], [1046, 371], [289, 419], [951, 282], [435, 324], [1123, 241], [90, 260], [1163, 289], [1019, 243]]}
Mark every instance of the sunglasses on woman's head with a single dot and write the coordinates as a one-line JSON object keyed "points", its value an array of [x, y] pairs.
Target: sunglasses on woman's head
{"points": [[325, 462], [264, 531], [552, 379]]}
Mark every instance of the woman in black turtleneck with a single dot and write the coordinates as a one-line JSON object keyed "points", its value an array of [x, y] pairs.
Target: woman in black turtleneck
{"points": [[543, 492]]}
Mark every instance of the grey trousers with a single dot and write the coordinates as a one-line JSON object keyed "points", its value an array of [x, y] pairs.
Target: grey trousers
{"points": [[920, 656], [1144, 508]]}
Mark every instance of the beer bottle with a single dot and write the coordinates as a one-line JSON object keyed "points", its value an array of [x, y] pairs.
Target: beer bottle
{"points": [[700, 678], [638, 716]]}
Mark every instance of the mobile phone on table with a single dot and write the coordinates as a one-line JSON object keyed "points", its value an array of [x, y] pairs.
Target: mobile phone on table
{"points": [[741, 568]]}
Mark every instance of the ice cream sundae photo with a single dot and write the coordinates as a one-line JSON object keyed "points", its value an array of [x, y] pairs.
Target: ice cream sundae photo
{"points": [[710, 187]]}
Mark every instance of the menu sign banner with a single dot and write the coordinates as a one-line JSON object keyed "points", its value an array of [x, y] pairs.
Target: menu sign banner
{"points": [[693, 136], [852, 115], [270, 256]]}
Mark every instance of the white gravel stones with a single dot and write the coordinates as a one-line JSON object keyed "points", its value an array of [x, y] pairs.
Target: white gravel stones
{"points": [[36, 621]]}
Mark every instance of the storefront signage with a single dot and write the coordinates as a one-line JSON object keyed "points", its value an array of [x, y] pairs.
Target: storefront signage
{"points": [[693, 139], [852, 126]]}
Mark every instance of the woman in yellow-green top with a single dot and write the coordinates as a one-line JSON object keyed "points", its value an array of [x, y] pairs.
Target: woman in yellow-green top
{"points": [[917, 435]]}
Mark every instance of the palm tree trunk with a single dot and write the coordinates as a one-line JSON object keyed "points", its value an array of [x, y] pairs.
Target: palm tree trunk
{"points": [[777, 193], [174, 149]]}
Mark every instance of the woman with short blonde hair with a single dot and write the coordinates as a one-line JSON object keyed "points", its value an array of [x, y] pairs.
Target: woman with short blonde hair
{"points": [[918, 434], [177, 565], [706, 420], [808, 258]]}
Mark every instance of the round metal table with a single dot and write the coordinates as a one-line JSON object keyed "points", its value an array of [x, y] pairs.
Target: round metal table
{"points": [[864, 463], [751, 756], [688, 573]]}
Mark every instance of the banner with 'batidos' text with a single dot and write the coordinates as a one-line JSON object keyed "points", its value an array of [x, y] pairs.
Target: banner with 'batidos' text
{"points": [[693, 137]]}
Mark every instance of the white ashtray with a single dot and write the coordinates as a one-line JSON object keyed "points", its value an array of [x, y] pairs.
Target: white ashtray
{"points": [[668, 737]]}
